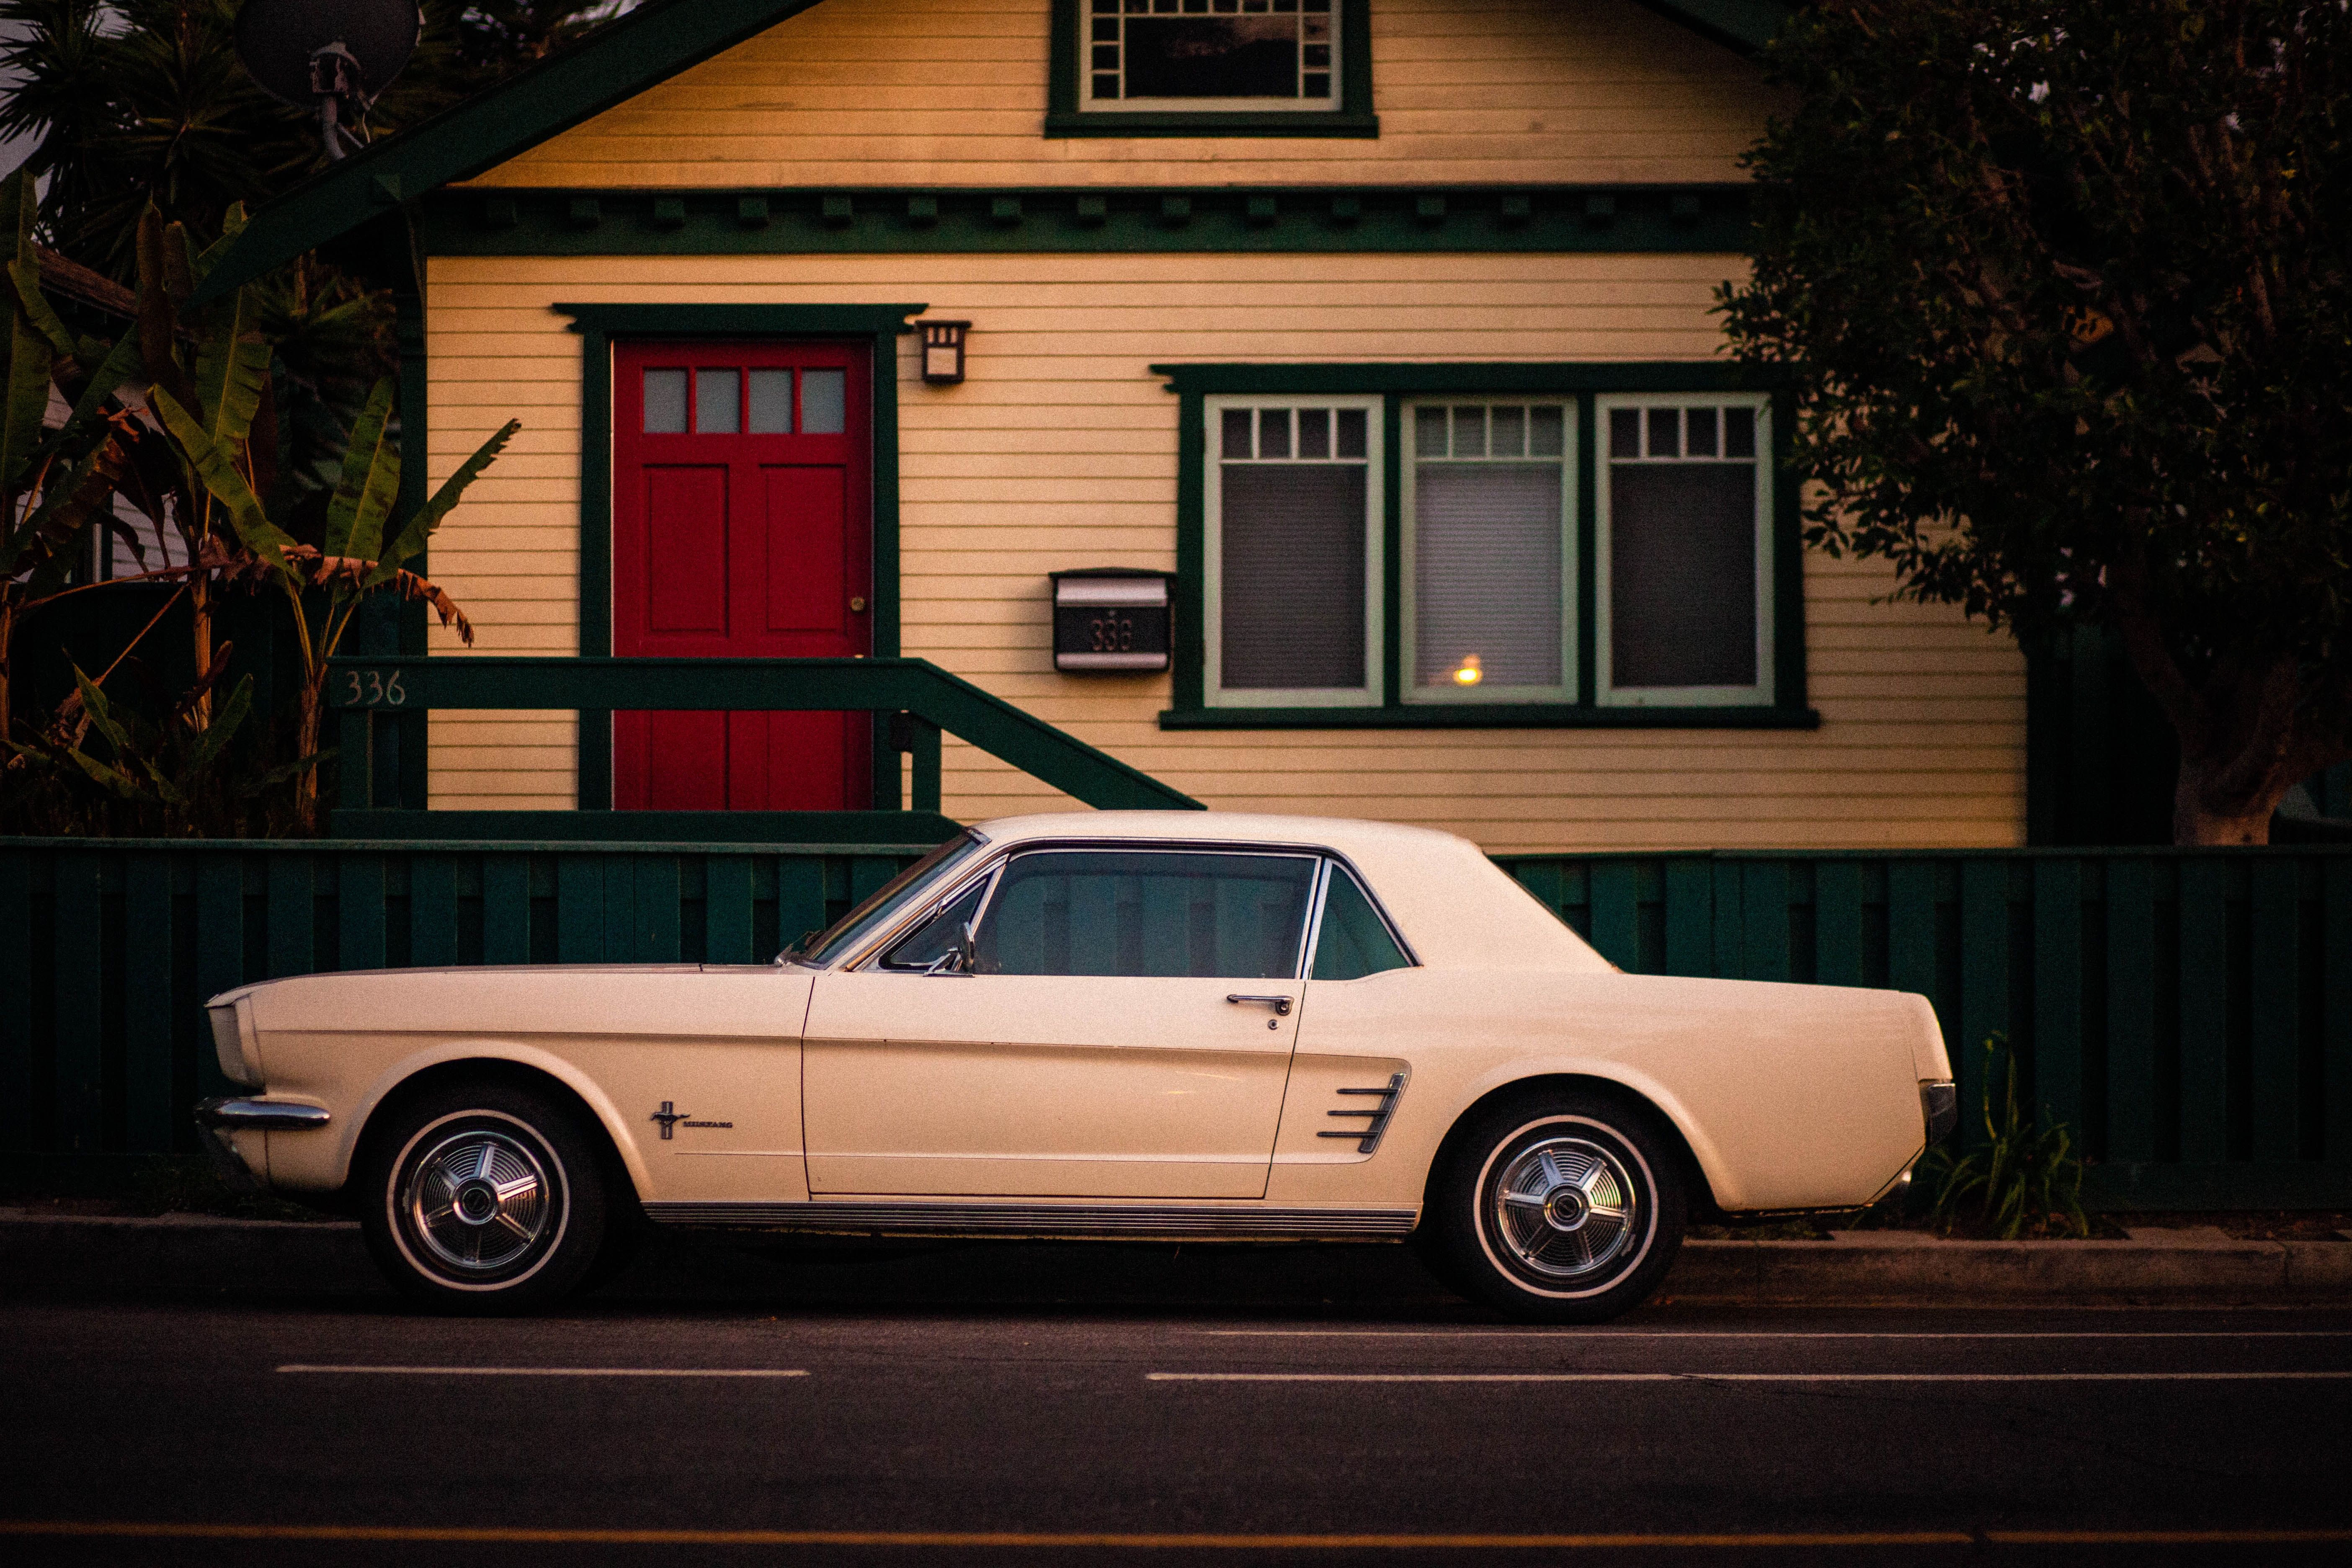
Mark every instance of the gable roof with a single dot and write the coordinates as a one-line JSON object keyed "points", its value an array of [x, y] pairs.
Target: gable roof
{"points": [[642, 50]]}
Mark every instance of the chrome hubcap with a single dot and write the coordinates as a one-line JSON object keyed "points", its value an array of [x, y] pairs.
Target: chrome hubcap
{"points": [[478, 1200], [1565, 1207]]}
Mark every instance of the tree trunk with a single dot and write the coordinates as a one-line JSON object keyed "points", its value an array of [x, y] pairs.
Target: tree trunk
{"points": [[306, 784], [200, 622], [2196, 822]]}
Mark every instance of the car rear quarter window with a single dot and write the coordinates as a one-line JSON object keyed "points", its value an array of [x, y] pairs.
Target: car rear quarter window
{"points": [[1148, 914], [1353, 941]]}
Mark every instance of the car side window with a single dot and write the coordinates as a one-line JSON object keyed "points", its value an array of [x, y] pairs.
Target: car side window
{"points": [[1147, 913], [937, 937], [1353, 941]]}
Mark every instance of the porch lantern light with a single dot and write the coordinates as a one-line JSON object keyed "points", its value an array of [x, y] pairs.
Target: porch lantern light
{"points": [[943, 350]]}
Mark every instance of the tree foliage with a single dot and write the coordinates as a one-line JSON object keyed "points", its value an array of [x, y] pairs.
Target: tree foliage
{"points": [[2065, 291]]}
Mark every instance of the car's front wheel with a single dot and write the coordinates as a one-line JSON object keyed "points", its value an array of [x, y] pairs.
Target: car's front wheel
{"points": [[483, 1197], [1559, 1207]]}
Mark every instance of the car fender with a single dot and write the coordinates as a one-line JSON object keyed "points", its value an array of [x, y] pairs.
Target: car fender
{"points": [[389, 1078], [1522, 1070]]}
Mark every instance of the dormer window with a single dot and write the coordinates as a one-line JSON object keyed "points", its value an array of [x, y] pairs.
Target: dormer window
{"points": [[1211, 67], [1210, 54]]}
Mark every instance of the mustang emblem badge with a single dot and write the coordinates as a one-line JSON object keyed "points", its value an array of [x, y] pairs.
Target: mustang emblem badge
{"points": [[669, 1118]]}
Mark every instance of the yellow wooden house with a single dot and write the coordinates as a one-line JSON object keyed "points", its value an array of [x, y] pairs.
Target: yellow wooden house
{"points": [[1372, 340]]}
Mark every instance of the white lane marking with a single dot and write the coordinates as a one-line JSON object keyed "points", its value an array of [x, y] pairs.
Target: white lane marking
{"points": [[1596, 1336], [552, 1370], [1744, 1376]]}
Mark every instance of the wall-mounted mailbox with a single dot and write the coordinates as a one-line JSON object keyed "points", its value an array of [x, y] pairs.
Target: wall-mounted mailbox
{"points": [[1110, 618]]}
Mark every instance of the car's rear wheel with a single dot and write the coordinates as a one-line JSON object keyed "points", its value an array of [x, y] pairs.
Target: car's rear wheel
{"points": [[483, 1197], [1558, 1208]]}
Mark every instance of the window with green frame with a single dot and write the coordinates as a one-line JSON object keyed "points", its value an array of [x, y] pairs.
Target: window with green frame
{"points": [[1211, 67], [1499, 545]]}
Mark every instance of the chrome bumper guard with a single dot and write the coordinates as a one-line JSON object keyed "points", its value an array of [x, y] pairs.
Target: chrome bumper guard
{"points": [[266, 1115]]}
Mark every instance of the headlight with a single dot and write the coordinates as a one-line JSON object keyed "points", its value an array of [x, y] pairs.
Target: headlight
{"points": [[238, 1065]]}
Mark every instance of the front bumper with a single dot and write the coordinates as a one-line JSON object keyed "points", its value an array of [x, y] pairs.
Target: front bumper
{"points": [[218, 1116]]}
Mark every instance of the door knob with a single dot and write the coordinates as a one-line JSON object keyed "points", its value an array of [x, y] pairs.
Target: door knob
{"points": [[857, 605]]}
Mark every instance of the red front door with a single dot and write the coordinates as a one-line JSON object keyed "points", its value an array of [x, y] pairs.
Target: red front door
{"points": [[742, 485]]}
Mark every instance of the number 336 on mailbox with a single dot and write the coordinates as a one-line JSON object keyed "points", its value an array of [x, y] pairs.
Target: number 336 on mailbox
{"points": [[1110, 618]]}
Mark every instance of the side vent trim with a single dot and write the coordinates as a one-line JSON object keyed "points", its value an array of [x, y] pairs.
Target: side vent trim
{"points": [[1368, 1136]]}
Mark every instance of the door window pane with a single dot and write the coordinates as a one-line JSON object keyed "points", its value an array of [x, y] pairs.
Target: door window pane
{"points": [[771, 402], [664, 402], [937, 937], [824, 401], [1105, 912], [717, 411], [1353, 941]]}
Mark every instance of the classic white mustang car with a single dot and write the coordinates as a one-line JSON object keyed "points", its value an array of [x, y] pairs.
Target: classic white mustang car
{"points": [[1114, 1024]]}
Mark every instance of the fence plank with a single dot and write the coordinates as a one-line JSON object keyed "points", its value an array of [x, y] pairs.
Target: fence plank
{"points": [[2335, 1027], [17, 1115], [220, 945], [2275, 930], [620, 909], [2058, 1043], [75, 926], [433, 911], [1616, 930], [506, 909], [1764, 920], [580, 907], [291, 921], [151, 1118], [656, 922], [1690, 918], [359, 904], [866, 875], [1837, 923], [727, 909], [2204, 1010], [799, 895], [1730, 907], [2131, 1010]]}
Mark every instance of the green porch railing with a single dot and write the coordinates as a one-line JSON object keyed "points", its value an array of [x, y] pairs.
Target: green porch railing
{"points": [[2189, 1013], [919, 698]]}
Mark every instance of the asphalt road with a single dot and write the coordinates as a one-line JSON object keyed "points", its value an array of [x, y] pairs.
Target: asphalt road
{"points": [[1034, 1404]]}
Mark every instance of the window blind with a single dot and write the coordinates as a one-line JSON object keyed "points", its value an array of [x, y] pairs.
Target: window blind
{"points": [[1486, 574], [1292, 566], [1682, 588]]}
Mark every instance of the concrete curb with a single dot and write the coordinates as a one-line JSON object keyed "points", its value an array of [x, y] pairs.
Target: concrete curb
{"points": [[2198, 1268]]}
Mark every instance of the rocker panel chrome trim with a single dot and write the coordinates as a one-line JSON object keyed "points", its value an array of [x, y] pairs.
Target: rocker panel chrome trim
{"points": [[1031, 1219]]}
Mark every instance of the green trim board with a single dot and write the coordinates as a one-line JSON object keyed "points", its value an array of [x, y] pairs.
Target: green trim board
{"points": [[1700, 219], [640, 50], [1743, 27], [1352, 116], [1398, 384], [598, 325]]}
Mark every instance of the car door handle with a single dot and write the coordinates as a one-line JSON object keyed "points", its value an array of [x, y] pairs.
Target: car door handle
{"points": [[1279, 1004]]}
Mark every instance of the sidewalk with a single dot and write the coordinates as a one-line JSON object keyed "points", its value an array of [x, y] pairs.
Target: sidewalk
{"points": [[2196, 1267]]}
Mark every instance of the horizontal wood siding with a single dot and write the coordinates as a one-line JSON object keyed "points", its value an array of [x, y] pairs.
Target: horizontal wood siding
{"points": [[952, 93], [1060, 451]]}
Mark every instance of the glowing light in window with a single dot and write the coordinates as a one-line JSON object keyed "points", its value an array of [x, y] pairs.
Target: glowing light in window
{"points": [[1469, 673]]}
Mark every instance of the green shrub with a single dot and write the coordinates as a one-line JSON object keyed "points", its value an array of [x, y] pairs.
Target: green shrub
{"points": [[2026, 1179]]}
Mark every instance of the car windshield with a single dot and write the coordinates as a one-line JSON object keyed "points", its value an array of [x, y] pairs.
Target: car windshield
{"points": [[883, 902]]}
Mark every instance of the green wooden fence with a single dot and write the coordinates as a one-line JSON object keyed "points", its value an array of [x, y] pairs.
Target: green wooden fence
{"points": [[2188, 1012]]}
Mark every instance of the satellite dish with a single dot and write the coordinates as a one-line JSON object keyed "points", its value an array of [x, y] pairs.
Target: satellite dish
{"points": [[335, 55]]}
